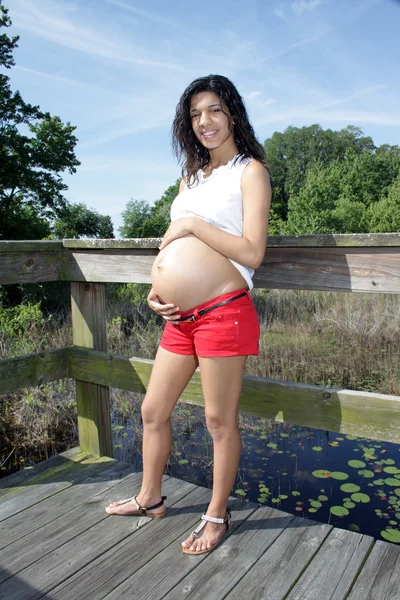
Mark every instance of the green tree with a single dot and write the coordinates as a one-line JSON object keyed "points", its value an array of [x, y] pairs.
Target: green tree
{"points": [[76, 220], [35, 149], [142, 220], [291, 154], [384, 215]]}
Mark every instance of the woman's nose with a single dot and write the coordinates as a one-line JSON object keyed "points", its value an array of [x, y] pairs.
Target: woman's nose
{"points": [[204, 118]]}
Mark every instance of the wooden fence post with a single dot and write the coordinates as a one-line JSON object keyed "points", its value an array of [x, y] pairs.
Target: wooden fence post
{"points": [[93, 401]]}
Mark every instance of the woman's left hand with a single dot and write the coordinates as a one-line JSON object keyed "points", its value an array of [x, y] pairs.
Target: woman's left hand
{"points": [[177, 229]]}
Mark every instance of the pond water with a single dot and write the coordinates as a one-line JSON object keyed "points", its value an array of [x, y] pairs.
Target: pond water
{"points": [[351, 483]]}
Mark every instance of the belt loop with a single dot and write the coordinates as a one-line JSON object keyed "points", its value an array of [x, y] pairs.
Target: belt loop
{"points": [[196, 315]]}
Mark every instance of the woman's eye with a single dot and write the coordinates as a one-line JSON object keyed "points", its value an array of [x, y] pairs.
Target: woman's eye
{"points": [[193, 116], [216, 109]]}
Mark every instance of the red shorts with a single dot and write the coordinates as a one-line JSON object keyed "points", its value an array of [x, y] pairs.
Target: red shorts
{"points": [[229, 330]]}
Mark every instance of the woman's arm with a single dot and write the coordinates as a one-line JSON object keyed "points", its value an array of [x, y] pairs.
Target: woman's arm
{"points": [[250, 249]]}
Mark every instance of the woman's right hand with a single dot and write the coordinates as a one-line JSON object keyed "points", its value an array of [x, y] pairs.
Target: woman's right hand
{"points": [[166, 311]]}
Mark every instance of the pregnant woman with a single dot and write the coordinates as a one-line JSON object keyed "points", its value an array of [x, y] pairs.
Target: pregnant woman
{"points": [[200, 286]]}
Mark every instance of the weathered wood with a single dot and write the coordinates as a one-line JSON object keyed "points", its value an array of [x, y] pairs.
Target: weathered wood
{"points": [[334, 567], [47, 572], [25, 476], [343, 269], [316, 241], [103, 480], [32, 369], [283, 562], [114, 566], [213, 579], [62, 528], [93, 401], [49, 483], [113, 266], [30, 262], [365, 414], [331, 269], [380, 576]]}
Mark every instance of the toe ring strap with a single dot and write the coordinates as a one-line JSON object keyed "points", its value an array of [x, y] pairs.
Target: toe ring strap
{"points": [[206, 519]]}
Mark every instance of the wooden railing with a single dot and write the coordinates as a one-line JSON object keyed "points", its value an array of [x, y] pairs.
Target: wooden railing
{"points": [[347, 263]]}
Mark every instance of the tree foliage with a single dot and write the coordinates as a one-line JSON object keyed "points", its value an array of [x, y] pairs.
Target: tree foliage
{"points": [[142, 220], [35, 150], [77, 220]]}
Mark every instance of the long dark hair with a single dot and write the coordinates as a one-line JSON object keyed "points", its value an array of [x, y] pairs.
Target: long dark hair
{"points": [[187, 148]]}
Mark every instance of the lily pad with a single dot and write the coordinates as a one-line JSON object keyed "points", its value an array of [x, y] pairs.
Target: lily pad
{"points": [[339, 511], [391, 535], [354, 527], [366, 473], [339, 475], [349, 505], [358, 497], [272, 445], [350, 488], [321, 473], [391, 470], [356, 464], [295, 493], [323, 498], [391, 481], [312, 510], [317, 448], [316, 504]]}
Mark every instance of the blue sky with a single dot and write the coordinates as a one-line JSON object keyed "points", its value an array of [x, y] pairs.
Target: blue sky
{"points": [[116, 69]]}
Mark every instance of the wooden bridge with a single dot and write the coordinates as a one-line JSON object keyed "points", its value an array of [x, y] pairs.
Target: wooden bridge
{"points": [[56, 541]]}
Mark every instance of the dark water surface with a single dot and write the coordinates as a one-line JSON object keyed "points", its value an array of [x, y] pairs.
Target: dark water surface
{"points": [[351, 483]]}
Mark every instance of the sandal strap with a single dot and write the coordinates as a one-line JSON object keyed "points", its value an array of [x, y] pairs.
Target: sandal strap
{"points": [[143, 510], [206, 519]]}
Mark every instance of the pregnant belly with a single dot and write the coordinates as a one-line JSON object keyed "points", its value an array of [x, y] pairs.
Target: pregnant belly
{"points": [[188, 272]]}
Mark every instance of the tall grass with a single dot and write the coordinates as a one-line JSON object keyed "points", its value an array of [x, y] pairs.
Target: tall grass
{"points": [[337, 339]]}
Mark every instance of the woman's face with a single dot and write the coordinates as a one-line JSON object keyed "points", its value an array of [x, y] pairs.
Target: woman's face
{"points": [[210, 122]]}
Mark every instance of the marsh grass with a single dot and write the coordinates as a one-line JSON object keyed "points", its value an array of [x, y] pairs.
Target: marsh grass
{"points": [[341, 340]]}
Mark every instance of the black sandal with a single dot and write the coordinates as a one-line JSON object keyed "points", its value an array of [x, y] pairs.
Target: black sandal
{"points": [[139, 510]]}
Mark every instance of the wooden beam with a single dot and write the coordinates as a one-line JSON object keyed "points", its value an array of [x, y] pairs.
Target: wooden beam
{"points": [[363, 414], [93, 402], [30, 262], [32, 369]]}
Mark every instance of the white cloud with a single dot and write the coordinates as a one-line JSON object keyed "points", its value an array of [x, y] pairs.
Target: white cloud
{"points": [[300, 6]]}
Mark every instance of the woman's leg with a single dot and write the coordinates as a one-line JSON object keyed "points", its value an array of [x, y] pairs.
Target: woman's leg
{"points": [[169, 377], [221, 379]]}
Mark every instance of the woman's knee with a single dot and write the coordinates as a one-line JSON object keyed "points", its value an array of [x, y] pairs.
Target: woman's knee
{"points": [[220, 425], [154, 413]]}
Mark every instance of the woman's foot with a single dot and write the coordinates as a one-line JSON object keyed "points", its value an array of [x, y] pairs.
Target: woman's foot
{"points": [[207, 536], [135, 507]]}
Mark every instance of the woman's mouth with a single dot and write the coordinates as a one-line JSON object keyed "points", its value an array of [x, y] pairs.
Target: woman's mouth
{"points": [[207, 135]]}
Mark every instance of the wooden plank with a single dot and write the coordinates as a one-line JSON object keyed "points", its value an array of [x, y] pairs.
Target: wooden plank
{"points": [[32, 369], [46, 485], [209, 576], [30, 246], [126, 559], [47, 572], [113, 266], [341, 269], [316, 241], [54, 507], [365, 269], [62, 529], [22, 478], [31, 266], [93, 401], [283, 563], [380, 576], [334, 568], [376, 416]]}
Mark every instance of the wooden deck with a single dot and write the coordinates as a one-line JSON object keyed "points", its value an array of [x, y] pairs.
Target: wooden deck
{"points": [[56, 542]]}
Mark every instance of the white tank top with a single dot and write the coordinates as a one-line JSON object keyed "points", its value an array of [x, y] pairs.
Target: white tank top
{"points": [[217, 199]]}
